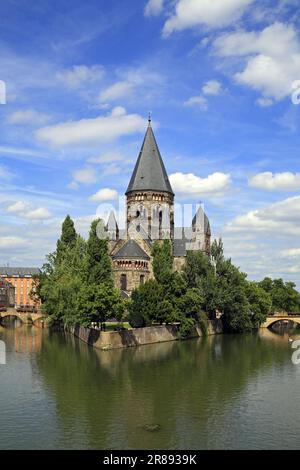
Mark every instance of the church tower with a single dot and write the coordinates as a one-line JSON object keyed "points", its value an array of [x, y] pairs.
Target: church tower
{"points": [[150, 217], [149, 196]]}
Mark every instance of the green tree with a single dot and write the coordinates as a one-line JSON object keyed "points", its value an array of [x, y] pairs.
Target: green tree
{"points": [[99, 266], [98, 303], [59, 283], [190, 304], [284, 295], [67, 239], [162, 261], [260, 303], [144, 306], [196, 267]]}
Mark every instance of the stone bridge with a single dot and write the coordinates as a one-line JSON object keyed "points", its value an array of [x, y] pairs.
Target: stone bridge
{"points": [[271, 319], [26, 318]]}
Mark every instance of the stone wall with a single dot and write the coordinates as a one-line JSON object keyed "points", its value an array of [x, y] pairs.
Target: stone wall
{"points": [[106, 340], [133, 277], [178, 263]]}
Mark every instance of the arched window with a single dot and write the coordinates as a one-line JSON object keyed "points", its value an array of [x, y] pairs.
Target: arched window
{"points": [[160, 216], [142, 279], [123, 282]]}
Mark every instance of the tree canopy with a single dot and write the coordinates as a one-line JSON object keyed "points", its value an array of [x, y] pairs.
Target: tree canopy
{"points": [[75, 285]]}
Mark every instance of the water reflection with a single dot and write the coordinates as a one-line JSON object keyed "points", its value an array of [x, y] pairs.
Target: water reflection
{"points": [[189, 394]]}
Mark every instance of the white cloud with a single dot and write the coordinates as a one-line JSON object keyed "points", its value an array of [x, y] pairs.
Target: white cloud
{"points": [[11, 242], [116, 91], [16, 207], [154, 7], [133, 83], [100, 129], [291, 252], [199, 101], [41, 213], [191, 185], [212, 87], [209, 13], [106, 158], [86, 175], [105, 194], [264, 102], [79, 75], [275, 219], [26, 211], [272, 59], [28, 116], [286, 181]]}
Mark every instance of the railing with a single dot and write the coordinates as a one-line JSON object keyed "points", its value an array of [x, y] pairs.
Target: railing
{"points": [[284, 314]]}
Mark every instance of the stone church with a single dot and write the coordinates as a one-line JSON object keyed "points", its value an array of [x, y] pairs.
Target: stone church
{"points": [[150, 217]]}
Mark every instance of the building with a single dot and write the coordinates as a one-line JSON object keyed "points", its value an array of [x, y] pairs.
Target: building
{"points": [[7, 294], [21, 279], [149, 217]]}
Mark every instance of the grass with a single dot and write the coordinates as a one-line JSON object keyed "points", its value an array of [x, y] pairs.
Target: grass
{"points": [[109, 326]]}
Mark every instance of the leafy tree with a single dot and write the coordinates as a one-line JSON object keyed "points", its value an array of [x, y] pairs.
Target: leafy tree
{"points": [[98, 303], [260, 303], [76, 282], [284, 295], [67, 239], [162, 261], [59, 283], [190, 304], [99, 267], [145, 304], [217, 252], [196, 267]]}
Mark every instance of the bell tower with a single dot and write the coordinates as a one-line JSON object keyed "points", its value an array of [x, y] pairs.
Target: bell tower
{"points": [[149, 196]]}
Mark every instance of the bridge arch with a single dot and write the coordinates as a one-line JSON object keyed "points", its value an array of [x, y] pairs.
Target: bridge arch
{"points": [[27, 318], [271, 320], [5, 319]]}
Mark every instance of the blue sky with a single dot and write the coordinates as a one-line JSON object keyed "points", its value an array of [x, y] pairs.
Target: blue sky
{"points": [[218, 77]]}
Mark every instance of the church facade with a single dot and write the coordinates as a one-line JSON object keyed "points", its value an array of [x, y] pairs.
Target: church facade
{"points": [[150, 217]]}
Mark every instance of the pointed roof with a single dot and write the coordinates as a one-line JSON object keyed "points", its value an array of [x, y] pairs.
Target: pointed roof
{"points": [[131, 250], [201, 220], [112, 223], [149, 173]]}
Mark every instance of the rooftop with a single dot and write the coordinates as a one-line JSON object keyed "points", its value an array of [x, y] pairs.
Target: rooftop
{"points": [[131, 250], [149, 173], [19, 272]]}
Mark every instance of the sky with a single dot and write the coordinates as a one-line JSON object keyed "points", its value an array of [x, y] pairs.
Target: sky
{"points": [[222, 81]]}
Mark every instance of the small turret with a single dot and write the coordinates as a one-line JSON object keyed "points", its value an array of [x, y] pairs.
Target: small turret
{"points": [[112, 228], [200, 232]]}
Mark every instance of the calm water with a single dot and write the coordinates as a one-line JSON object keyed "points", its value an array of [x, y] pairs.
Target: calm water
{"points": [[219, 392]]}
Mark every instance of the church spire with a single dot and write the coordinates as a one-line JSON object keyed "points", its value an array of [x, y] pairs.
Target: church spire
{"points": [[149, 173]]}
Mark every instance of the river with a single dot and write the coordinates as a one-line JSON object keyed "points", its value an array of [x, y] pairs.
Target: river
{"points": [[220, 392]]}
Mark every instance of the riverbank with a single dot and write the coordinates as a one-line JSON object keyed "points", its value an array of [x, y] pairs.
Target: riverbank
{"points": [[106, 340]]}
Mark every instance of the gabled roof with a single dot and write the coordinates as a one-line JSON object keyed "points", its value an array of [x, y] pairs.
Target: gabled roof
{"points": [[131, 250], [20, 272], [149, 173]]}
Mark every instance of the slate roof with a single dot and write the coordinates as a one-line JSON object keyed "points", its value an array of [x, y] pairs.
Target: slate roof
{"points": [[179, 248], [182, 236], [149, 173], [131, 250], [198, 217], [20, 272], [112, 223]]}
